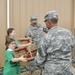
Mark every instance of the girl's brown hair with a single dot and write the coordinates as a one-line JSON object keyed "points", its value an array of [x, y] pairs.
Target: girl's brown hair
{"points": [[8, 32], [8, 41]]}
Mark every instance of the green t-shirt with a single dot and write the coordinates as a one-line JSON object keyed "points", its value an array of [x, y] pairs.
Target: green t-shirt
{"points": [[10, 68], [16, 42]]}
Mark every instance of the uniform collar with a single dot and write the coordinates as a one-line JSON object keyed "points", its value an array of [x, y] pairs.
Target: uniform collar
{"points": [[54, 27], [33, 27]]}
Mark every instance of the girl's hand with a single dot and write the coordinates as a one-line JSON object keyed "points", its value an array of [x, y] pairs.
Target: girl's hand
{"points": [[23, 59], [28, 44]]}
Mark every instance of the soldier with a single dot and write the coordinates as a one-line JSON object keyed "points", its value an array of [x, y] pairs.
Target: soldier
{"points": [[36, 31], [55, 48]]}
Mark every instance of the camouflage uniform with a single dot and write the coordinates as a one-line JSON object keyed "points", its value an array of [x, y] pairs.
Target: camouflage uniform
{"points": [[55, 52], [36, 33]]}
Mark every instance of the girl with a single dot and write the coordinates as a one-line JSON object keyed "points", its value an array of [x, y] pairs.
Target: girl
{"points": [[11, 34], [12, 66]]}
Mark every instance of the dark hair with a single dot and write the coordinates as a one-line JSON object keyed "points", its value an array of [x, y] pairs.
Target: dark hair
{"points": [[8, 32], [54, 20], [8, 41]]}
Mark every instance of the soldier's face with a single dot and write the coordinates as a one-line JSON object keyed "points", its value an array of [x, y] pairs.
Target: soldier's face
{"points": [[48, 24], [34, 24]]}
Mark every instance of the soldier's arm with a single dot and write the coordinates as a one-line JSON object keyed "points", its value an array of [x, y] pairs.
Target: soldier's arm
{"points": [[28, 33], [41, 53]]}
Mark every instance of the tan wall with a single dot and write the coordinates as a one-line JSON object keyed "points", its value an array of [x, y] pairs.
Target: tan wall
{"points": [[74, 17], [21, 10], [73, 26], [2, 30]]}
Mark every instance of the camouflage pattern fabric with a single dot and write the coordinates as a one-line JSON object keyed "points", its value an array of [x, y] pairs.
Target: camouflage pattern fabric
{"points": [[36, 33], [55, 52]]}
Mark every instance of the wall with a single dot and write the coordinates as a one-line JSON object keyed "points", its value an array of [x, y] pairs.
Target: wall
{"points": [[73, 25], [2, 30], [21, 10]]}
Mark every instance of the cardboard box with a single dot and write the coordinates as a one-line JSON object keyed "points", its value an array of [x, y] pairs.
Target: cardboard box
{"points": [[28, 52]]}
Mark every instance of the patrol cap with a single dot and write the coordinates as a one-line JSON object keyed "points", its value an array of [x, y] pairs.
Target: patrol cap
{"points": [[50, 15], [34, 19]]}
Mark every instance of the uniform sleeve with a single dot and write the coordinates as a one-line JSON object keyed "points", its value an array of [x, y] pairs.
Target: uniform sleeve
{"points": [[28, 33], [45, 29], [73, 43], [8, 56], [72, 40], [42, 51]]}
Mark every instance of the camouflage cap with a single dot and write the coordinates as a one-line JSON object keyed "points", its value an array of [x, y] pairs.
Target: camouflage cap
{"points": [[33, 19], [50, 15]]}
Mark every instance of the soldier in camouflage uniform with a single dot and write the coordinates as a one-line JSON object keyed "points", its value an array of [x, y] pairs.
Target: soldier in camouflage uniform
{"points": [[55, 48], [36, 31]]}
